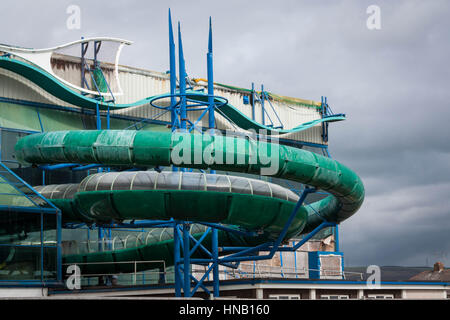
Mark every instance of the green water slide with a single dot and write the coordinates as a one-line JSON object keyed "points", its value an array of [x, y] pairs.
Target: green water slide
{"points": [[266, 213], [53, 86], [261, 213]]}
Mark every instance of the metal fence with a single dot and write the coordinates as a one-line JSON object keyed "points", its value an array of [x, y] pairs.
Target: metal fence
{"points": [[162, 274]]}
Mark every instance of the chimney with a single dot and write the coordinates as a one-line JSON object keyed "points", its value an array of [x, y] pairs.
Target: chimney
{"points": [[438, 267]]}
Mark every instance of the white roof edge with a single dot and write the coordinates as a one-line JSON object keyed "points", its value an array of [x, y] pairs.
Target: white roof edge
{"points": [[31, 50]]}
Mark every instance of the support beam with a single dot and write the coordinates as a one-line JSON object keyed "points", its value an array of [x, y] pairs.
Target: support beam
{"points": [[186, 261], [215, 257], [177, 259], [274, 247]]}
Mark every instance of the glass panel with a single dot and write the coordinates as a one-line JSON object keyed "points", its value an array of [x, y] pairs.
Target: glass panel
{"points": [[16, 226], [50, 235], [8, 143], [20, 263], [50, 263], [13, 192]]}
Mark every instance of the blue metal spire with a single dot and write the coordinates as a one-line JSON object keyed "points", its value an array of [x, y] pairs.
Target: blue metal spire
{"points": [[182, 76], [209, 58], [210, 37], [173, 77]]}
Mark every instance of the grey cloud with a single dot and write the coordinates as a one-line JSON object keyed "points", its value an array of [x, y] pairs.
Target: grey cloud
{"points": [[392, 84]]}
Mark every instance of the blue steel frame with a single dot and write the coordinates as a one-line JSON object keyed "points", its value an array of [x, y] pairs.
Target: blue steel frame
{"points": [[184, 281], [182, 238], [185, 284], [37, 209]]}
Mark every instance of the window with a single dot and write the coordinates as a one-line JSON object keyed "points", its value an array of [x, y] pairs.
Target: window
{"points": [[380, 296], [8, 141], [334, 297], [285, 296]]}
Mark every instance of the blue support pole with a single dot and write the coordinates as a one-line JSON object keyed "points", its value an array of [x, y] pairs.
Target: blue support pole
{"points": [[108, 119], [186, 262], [100, 238], [263, 120], [240, 256], [336, 238], [86, 167], [173, 81], [312, 234], [177, 259], [336, 228], [253, 101], [173, 77], [182, 76], [59, 246], [326, 123], [212, 124], [58, 166], [99, 127], [42, 247], [209, 59], [215, 258], [97, 113], [211, 120]]}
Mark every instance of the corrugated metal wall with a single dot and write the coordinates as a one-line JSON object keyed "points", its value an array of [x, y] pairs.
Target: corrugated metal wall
{"points": [[138, 84]]}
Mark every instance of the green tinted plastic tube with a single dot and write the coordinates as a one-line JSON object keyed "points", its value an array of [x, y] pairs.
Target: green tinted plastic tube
{"points": [[141, 148]]}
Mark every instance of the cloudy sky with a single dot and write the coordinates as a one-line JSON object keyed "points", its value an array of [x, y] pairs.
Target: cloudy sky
{"points": [[392, 83]]}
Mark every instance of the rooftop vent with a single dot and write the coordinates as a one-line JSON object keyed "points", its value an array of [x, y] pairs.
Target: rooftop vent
{"points": [[438, 266]]}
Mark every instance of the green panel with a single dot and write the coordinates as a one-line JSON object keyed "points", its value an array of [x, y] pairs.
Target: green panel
{"points": [[53, 120], [20, 117], [118, 124], [100, 81]]}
